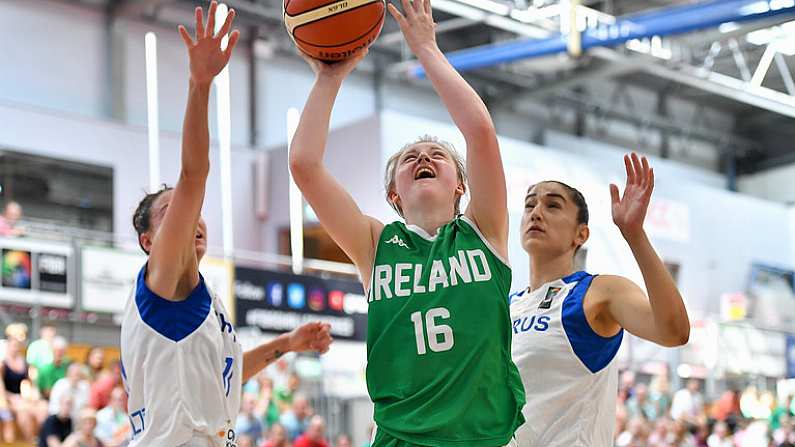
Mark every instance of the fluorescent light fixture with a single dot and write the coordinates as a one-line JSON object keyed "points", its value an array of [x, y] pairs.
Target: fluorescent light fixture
{"points": [[480, 15], [489, 5], [296, 200], [224, 114], [153, 122]]}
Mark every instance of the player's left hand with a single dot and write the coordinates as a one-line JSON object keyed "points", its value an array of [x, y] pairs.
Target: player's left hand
{"points": [[207, 59], [314, 336], [629, 210], [416, 23]]}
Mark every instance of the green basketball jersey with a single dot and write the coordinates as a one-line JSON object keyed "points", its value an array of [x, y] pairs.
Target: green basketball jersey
{"points": [[439, 367]]}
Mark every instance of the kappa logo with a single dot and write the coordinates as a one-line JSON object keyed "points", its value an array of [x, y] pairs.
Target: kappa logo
{"points": [[397, 241]]}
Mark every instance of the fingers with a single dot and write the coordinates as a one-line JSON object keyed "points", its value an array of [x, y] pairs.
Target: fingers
{"points": [[211, 19], [638, 169], [614, 196], [408, 8], [185, 36], [230, 46], [199, 23], [227, 24], [651, 179], [396, 14], [418, 6], [630, 170], [427, 7]]}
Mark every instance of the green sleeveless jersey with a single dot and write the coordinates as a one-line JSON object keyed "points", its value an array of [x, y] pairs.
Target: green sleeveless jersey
{"points": [[439, 367]]}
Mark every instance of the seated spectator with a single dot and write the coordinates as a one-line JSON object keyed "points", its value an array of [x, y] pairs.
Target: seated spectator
{"points": [[720, 436], [58, 426], [679, 435], [95, 362], [245, 441], [315, 435], [247, 422], [83, 436], [40, 351], [296, 419], [277, 437], [639, 405], [18, 401], [635, 434], [343, 440], [113, 426], [9, 220], [52, 372], [99, 395], [74, 385]]}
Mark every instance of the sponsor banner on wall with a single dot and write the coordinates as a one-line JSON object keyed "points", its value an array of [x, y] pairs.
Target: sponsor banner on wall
{"points": [[107, 278], [36, 272], [790, 357], [280, 302]]}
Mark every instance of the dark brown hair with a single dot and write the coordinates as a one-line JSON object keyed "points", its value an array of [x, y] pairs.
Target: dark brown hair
{"points": [[142, 218]]}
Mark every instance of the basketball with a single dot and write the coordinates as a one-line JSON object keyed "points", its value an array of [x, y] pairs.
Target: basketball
{"points": [[333, 31]]}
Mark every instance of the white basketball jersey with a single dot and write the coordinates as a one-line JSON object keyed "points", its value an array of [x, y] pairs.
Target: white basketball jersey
{"points": [[568, 372], [181, 364]]}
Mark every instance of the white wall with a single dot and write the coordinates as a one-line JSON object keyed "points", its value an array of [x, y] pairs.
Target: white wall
{"points": [[776, 184]]}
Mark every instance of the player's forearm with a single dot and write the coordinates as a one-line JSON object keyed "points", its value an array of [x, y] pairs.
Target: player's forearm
{"points": [[309, 141], [462, 101], [263, 355], [668, 307], [196, 133]]}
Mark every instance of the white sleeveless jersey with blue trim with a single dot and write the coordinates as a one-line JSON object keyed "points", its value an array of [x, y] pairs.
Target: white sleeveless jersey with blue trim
{"points": [[568, 371], [182, 366]]}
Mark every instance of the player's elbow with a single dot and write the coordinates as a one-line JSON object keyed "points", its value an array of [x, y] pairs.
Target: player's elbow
{"points": [[678, 335], [301, 167]]}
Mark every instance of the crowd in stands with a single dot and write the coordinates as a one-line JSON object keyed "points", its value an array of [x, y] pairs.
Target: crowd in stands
{"points": [[50, 400], [651, 416]]}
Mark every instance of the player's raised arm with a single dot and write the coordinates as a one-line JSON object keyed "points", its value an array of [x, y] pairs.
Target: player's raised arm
{"points": [[488, 205], [353, 231], [661, 317], [172, 248]]}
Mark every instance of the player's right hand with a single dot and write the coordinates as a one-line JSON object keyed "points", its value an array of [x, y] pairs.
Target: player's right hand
{"points": [[207, 59], [335, 70]]}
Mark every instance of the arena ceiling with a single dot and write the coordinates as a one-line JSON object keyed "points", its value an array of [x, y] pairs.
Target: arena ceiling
{"points": [[715, 67]]}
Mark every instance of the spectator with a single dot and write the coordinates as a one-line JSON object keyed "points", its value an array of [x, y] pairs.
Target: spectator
{"points": [[782, 410], [680, 436], [639, 405], [245, 441], [296, 418], [73, 385], [277, 437], [343, 440], [659, 435], [18, 401], [266, 405], [113, 426], [18, 331], [687, 402], [10, 219], [95, 361], [315, 435], [635, 434], [99, 395], [50, 373], [660, 395], [57, 426], [40, 351], [284, 396], [247, 422], [720, 436], [727, 408], [83, 436]]}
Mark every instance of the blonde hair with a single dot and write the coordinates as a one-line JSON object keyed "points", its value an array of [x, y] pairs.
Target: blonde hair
{"points": [[391, 168]]}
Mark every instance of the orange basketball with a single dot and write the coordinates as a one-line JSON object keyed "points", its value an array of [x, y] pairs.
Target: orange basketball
{"points": [[336, 30]]}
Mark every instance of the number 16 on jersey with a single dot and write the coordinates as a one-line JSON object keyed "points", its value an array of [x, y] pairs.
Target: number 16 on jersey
{"points": [[432, 331]]}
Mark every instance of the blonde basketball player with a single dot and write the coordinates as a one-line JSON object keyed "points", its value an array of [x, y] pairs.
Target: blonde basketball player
{"points": [[438, 369], [182, 362], [567, 325]]}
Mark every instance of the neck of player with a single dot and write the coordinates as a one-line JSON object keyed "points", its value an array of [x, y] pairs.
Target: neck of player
{"points": [[547, 269], [428, 217]]}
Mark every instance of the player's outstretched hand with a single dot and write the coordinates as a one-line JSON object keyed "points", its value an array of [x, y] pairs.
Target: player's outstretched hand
{"points": [[334, 70], [314, 336], [416, 23], [629, 210], [207, 59]]}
